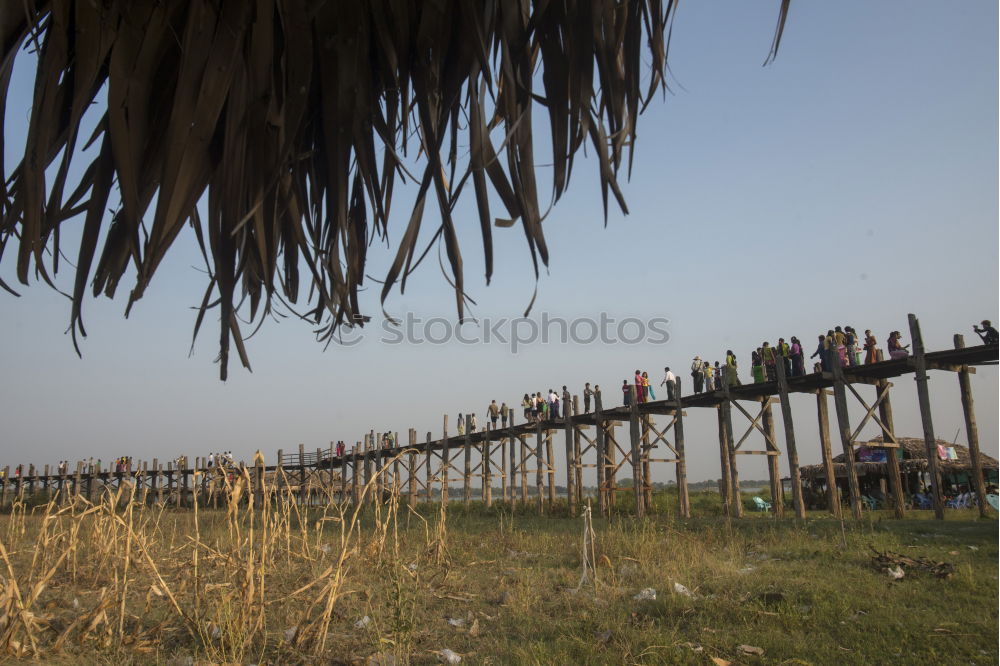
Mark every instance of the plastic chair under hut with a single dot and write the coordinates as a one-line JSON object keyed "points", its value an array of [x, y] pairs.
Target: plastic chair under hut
{"points": [[761, 505]]}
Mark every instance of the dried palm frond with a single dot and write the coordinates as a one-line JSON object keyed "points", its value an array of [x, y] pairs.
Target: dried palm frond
{"points": [[294, 116]]}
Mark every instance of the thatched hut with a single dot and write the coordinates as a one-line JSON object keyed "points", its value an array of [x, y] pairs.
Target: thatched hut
{"points": [[953, 461]]}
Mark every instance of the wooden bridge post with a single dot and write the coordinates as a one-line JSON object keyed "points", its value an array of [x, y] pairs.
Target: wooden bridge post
{"points": [[600, 445], [832, 492], [258, 481], [412, 467], [512, 457], [773, 469], [793, 452], [3, 489], [645, 453], [317, 487], [972, 432], [539, 462], [154, 481], [844, 425], [636, 460], [141, 478], [524, 469], [735, 497], [91, 477], [356, 475], [611, 457], [924, 400], [397, 479], [467, 470], [76, 480], [370, 452], [550, 468], [726, 473], [504, 480], [185, 479], [488, 467], [428, 469], [445, 462], [577, 462], [570, 458], [889, 432], [683, 498], [375, 454]]}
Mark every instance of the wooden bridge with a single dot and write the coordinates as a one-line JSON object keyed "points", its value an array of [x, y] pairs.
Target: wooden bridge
{"points": [[618, 440]]}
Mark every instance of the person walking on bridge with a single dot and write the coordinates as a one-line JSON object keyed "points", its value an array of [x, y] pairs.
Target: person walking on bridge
{"points": [[698, 374], [587, 393], [798, 368], [871, 348], [494, 412], [504, 413], [668, 380], [732, 374]]}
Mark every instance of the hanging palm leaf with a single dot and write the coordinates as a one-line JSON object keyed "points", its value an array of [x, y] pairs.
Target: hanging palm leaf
{"points": [[294, 116]]}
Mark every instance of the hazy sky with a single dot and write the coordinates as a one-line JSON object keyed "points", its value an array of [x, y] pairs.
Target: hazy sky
{"points": [[851, 182]]}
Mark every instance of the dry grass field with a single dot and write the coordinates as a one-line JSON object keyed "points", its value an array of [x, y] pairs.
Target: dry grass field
{"points": [[123, 583]]}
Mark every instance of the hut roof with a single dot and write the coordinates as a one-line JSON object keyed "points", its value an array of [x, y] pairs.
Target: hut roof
{"points": [[296, 118], [914, 459]]}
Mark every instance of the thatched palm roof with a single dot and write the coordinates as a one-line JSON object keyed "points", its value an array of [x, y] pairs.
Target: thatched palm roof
{"points": [[296, 117], [914, 460]]}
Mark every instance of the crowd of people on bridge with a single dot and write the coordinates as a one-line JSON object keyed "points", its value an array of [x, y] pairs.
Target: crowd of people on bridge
{"points": [[841, 345]]}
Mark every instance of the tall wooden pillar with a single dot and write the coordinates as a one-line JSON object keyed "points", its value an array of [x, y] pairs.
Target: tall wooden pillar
{"points": [[832, 492], [377, 455], [524, 470], [570, 458], [344, 481], [512, 453], [972, 432], [611, 455], [577, 462], [726, 473], [683, 498], [645, 453], [154, 481], [844, 426], [636, 456], [428, 469], [504, 480], [773, 468], [488, 467], [356, 476], [445, 462], [412, 467], [539, 463], [550, 468], [735, 498], [371, 451], [888, 433], [924, 399], [793, 452], [601, 446], [467, 474]]}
